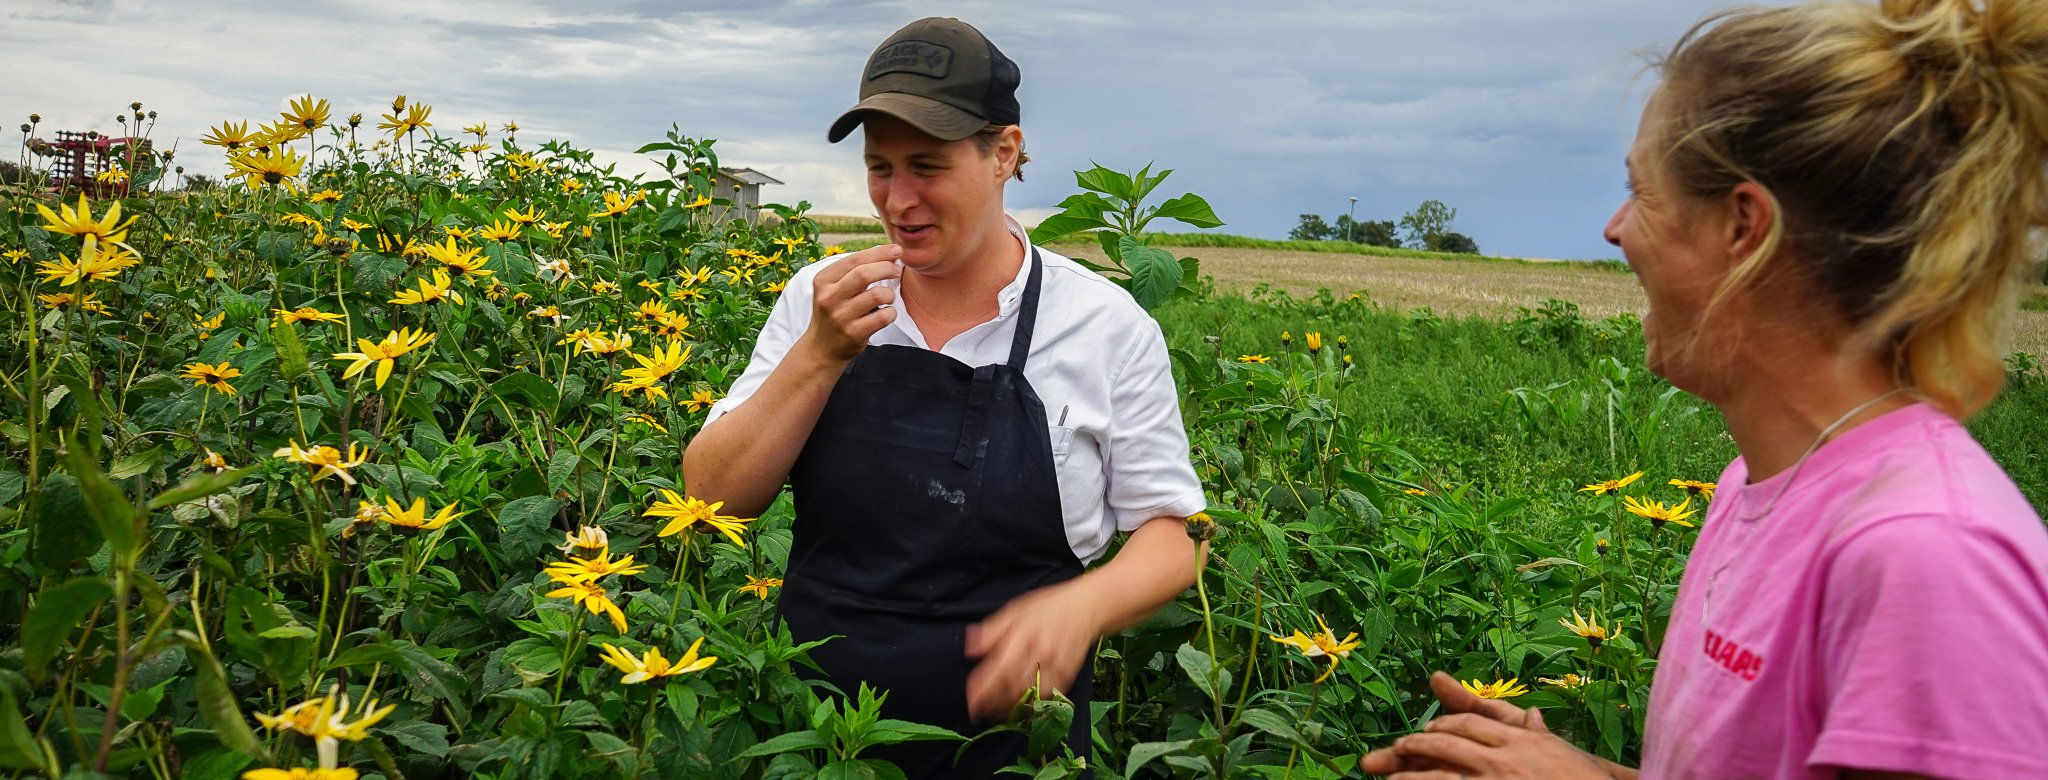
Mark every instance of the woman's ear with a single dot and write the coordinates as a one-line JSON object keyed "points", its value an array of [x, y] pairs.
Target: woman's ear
{"points": [[1751, 211]]}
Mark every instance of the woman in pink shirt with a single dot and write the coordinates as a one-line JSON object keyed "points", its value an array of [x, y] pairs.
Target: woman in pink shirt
{"points": [[1830, 208]]}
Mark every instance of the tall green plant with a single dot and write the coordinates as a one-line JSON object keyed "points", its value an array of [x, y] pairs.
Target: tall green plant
{"points": [[1113, 207]]}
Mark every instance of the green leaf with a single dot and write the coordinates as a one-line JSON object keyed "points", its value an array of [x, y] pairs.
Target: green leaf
{"points": [[375, 274], [861, 769], [422, 736], [436, 677], [217, 702], [1189, 208], [889, 731], [1273, 723], [291, 351], [562, 465], [1064, 224], [57, 612], [199, 487], [524, 525], [1144, 752], [18, 747], [1107, 182], [807, 739], [527, 389], [118, 521], [61, 535], [1199, 667], [215, 764], [1154, 272]]}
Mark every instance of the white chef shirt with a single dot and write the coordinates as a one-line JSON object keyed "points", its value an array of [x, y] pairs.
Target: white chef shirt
{"points": [[1098, 361]]}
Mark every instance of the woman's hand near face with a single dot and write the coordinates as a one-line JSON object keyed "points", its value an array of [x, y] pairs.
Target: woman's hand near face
{"points": [[845, 310]]}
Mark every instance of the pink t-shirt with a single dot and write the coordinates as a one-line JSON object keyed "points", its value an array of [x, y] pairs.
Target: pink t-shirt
{"points": [[1890, 613]]}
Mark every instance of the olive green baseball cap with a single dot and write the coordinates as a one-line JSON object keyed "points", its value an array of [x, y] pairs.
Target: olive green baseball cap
{"points": [[941, 76]]}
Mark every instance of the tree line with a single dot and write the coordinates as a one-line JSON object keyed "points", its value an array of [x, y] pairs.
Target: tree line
{"points": [[1427, 227]]}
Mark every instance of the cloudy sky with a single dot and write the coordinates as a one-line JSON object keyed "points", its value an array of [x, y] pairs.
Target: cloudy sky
{"points": [[1514, 112]]}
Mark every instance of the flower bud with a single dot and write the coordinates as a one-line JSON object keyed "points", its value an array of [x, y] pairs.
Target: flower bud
{"points": [[135, 106], [338, 246]]}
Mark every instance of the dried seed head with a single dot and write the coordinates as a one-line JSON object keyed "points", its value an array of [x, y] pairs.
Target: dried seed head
{"points": [[135, 106], [338, 246], [152, 113], [35, 119], [25, 127]]}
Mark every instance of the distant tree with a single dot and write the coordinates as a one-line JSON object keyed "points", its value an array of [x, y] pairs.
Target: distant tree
{"points": [[1371, 232], [1457, 242], [1427, 224], [1312, 228], [199, 182]]}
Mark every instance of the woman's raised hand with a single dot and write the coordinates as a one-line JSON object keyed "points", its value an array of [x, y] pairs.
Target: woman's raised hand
{"points": [[845, 310]]}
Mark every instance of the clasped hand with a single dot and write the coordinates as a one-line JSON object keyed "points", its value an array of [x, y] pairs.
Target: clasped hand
{"points": [[846, 307]]}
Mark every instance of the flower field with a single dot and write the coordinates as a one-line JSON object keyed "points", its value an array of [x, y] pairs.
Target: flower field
{"points": [[367, 464]]}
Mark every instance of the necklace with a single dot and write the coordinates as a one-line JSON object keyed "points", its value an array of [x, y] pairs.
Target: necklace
{"points": [[1707, 604]]}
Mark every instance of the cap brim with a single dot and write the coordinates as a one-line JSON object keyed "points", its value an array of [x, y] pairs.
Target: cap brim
{"points": [[932, 117]]}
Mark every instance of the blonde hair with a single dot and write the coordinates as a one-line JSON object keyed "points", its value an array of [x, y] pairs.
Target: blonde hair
{"points": [[1903, 145]]}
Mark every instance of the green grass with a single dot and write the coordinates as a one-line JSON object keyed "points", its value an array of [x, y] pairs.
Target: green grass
{"points": [[2035, 299], [1228, 241], [842, 224], [1440, 389]]}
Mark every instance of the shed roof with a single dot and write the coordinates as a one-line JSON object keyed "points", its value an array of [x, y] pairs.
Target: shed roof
{"points": [[749, 176]]}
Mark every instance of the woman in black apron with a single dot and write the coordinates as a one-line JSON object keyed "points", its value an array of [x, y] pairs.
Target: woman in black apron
{"points": [[930, 533]]}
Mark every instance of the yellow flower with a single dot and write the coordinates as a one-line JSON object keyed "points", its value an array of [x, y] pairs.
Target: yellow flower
{"points": [[1702, 489], [659, 363], [85, 302], [413, 519], [735, 275], [111, 176], [520, 163], [455, 232], [15, 256], [530, 216], [1415, 491], [597, 343], [295, 218], [1657, 512], [429, 291], [265, 168], [699, 203], [306, 314], [774, 287], [511, 127], [227, 135], [324, 196], [654, 667], [554, 270], [592, 597], [384, 353], [699, 400], [325, 460], [698, 276], [326, 718], [1286, 339], [500, 231], [477, 129], [300, 774], [593, 569], [834, 249], [209, 323], [1314, 341], [214, 461], [554, 229], [759, 586], [604, 288], [1498, 689], [354, 226], [1612, 485], [214, 377], [277, 133], [477, 149], [1324, 644], [1253, 359], [614, 205], [80, 222], [469, 261], [692, 514], [307, 112], [94, 262], [790, 244], [548, 312], [414, 119], [1567, 682], [572, 186], [641, 418], [673, 326], [1590, 630], [1201, 527], [587, 541]]}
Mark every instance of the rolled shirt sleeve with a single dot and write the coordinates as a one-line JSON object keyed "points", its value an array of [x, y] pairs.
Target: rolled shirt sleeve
{"points": [[1145, 457]]}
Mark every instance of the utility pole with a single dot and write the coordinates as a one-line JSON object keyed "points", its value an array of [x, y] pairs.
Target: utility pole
{"points": [[1351, 229]]}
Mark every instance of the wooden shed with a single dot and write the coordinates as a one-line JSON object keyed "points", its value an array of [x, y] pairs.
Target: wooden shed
{"points": [[742, 186]]}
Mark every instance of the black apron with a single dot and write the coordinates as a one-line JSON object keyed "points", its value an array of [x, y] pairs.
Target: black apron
{"points": [[926, 499]]}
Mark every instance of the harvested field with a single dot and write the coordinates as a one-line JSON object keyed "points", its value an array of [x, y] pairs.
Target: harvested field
{"points": [[1447, 286]]}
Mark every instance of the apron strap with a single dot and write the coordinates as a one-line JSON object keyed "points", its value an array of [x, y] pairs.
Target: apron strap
{"points": [[972, 444], [1027, 317]]}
